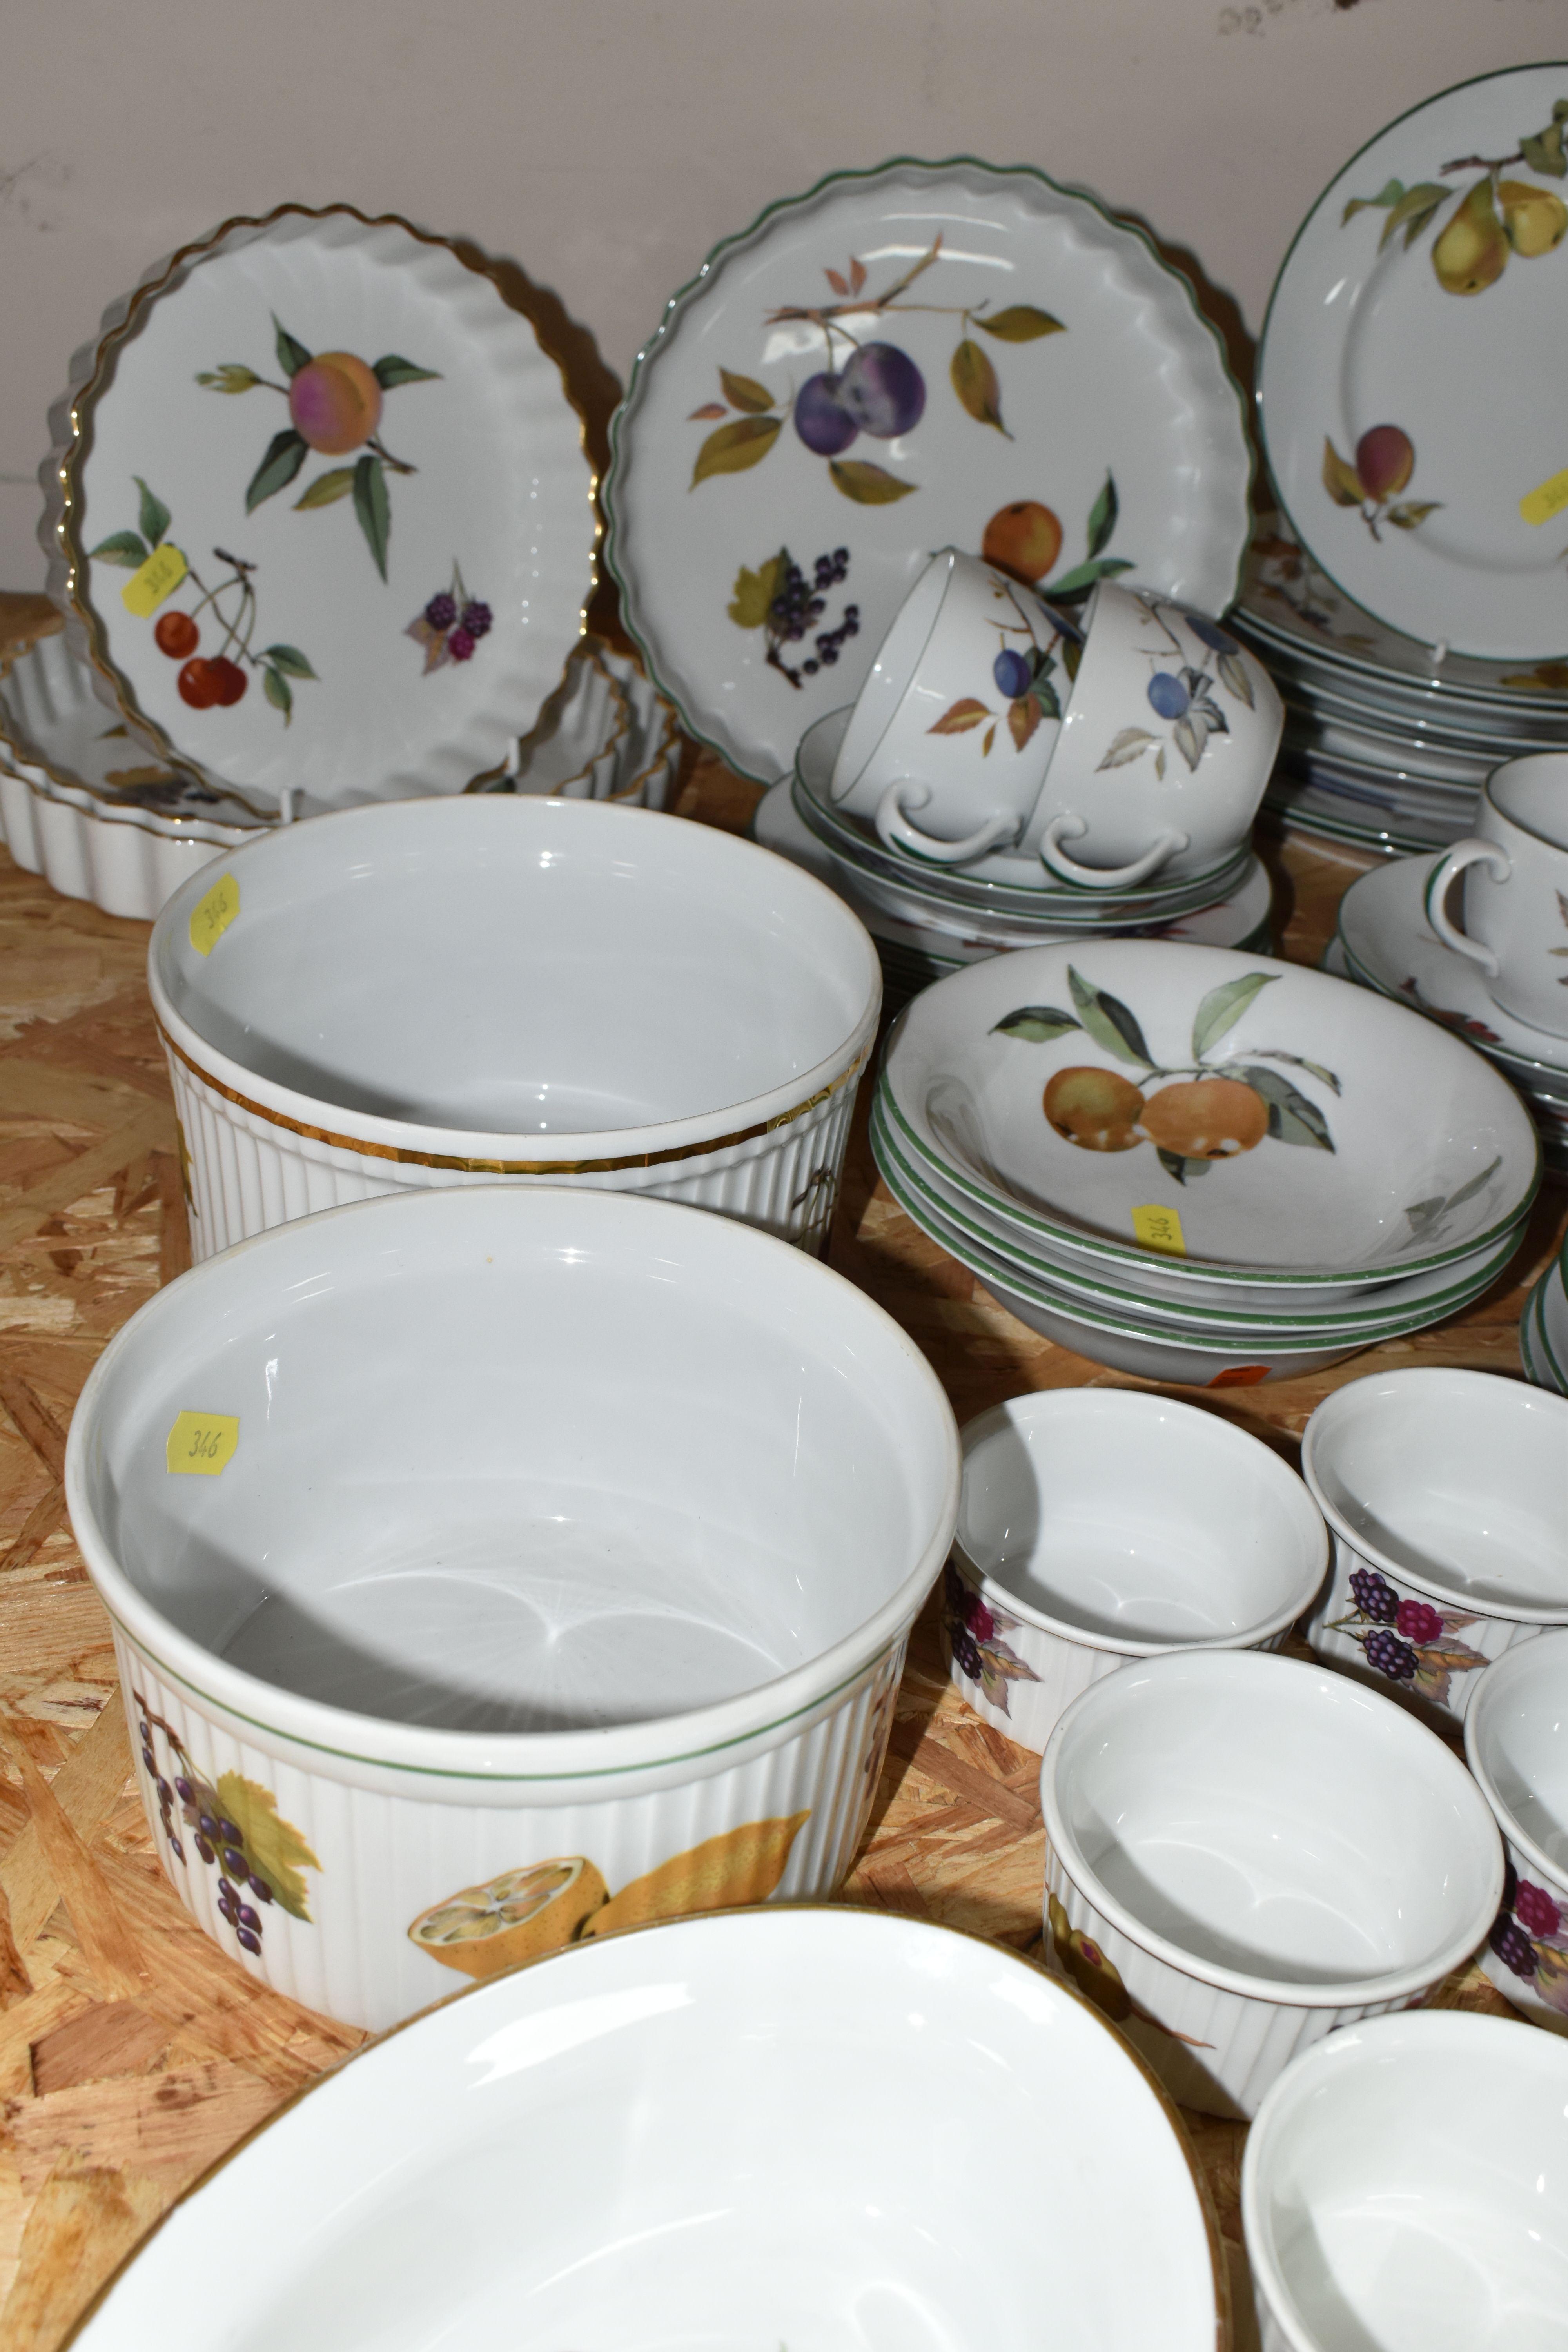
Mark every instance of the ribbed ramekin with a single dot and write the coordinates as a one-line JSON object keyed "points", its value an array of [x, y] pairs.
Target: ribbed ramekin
{"points": [[509, 949], [483, 1473], [1244, 1852]]}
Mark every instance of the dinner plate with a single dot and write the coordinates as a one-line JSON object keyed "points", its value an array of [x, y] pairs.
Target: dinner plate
{"points": [[1409, 366], [321, 514], [1295, 614], [924, 355]]}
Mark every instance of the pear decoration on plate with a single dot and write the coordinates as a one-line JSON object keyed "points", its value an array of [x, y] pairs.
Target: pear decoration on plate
{"points": [[1472, 252], [1533, 219]]}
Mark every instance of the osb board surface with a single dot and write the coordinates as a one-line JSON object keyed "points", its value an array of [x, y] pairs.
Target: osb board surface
{"points": [[133, 2053]]}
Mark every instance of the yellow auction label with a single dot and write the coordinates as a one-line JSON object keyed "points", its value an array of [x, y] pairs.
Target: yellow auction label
{"points": [[157, 578], [212, 914], [1160, 1229], [1549, 500], [202, 1444]]}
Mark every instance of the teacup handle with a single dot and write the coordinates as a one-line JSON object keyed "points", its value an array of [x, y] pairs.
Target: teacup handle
{"points": [[895, 829], [1463, 854], [1104, 877]]}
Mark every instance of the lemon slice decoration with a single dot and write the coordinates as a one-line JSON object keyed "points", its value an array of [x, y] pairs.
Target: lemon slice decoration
{"points": [[483, 1930], [521, 1914]]}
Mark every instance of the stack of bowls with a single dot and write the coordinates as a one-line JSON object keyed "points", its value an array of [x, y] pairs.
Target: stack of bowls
{"points": [[1387, 741], [1200, 1166], [1544, 1327], [440, 993], [493, 1569]]}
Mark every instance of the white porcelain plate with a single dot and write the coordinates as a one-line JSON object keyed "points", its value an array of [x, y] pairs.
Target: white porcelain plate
{"points": [[1411, 358], [324, 518], [922, 356], [829, 2129], [1148, 1095]]}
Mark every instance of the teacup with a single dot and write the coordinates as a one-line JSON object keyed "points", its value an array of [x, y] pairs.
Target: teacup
{"points": [[1165, 747], [1515, 867], [959, 716]]}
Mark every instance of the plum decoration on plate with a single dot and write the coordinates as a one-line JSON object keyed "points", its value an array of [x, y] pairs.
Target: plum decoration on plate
{"points": [[220, 677], [1384, 462], [335, 406], [1195, 1114], [868, 385], [233, 1827]]}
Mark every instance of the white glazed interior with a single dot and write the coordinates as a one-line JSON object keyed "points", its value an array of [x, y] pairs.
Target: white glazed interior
{"points": [[1135, 1522], [475, 970], [1403, 2188], [1272, 1828], [519, 1471], [716, 2132], [1516, 1737], [1455, 1481]]}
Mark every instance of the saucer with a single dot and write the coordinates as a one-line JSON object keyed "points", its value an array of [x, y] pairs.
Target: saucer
{"points": [[1389, 945], [1238, 919]]}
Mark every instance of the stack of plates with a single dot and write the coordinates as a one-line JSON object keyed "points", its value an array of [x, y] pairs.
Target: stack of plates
{"points": [[1543, 1328], [1385, 942], [929, 920], [1197, 1165], [89, 803], [1413, 604], [1383, 748]]}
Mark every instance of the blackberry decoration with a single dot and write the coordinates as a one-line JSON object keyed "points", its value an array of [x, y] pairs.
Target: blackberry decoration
{"points": [[1419, 1622], [1390, 1655], [1513, 1946], [450, 626], [1535, 1909], [1375, 1597]]}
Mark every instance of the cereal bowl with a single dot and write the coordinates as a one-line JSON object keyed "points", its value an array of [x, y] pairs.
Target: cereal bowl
{"points": [[1404, 2187], [1447, 1495], [493, 1567], [1516, 1741], [1098, 1525], [1244, 1853], [745, 2130], [440, 993]]}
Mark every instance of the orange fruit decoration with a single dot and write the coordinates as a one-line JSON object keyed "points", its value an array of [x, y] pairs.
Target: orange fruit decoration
{"points": [[1023, 539], [1206, 1119], [335, 402], [1096, 1109]]}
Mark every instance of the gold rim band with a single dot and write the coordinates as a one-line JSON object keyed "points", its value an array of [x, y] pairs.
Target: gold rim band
{"points": [[513, 1167]]}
